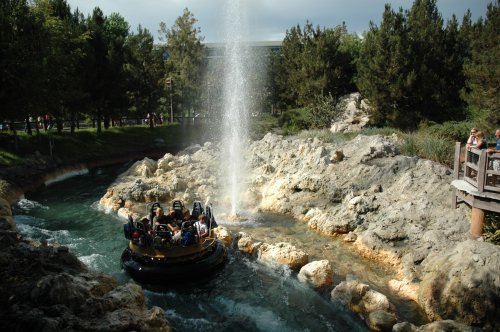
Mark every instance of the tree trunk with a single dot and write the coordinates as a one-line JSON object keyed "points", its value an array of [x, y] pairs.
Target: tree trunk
{"points": [[59, 123], [106, 121], [14, 132], [72, 125], [99, 128], [28, 126]]}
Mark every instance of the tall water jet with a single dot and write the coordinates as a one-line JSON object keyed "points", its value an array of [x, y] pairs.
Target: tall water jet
{"points": [[235, 99]]}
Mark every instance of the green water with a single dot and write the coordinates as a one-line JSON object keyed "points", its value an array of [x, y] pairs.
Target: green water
{"points": [[245, 295]]}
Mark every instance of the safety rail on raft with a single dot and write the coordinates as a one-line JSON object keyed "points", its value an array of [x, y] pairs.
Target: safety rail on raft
{"points": [[476, 182]]}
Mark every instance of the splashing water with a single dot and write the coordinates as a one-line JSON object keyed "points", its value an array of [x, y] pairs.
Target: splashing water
{"points": [[235, 102]]}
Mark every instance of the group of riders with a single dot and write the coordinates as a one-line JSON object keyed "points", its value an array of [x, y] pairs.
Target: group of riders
{"points": [[178, 227]]}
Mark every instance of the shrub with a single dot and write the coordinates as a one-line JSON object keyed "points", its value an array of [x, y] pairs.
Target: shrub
{"points": [[293, 121], [492, 228], [324, 111], [423, 145], [453, 130]]}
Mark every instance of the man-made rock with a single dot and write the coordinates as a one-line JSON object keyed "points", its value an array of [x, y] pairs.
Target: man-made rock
{"points": [[350, 237], [245, 243], [46, 288], [442, 325], [360, 298], [463, 284], [380, 320], [6, 220], [396, 207], [282, 253], [355, 116], [224, 235], [319, 274]]}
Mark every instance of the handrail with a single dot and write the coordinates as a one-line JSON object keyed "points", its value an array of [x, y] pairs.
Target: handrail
{"points": [[478, 168]]}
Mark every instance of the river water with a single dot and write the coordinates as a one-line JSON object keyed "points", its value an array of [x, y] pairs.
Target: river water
{"points": [[245, 295]]}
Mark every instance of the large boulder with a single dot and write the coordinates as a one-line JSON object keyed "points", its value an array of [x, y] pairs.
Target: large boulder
{"points": [[360, 298], [463, 284], [246, 244], [381, 320], [319, 274], [224, 235], [442, 325], [6, 220], [284, 254]]}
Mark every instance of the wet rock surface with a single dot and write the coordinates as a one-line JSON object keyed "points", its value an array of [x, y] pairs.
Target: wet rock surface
{"points": [[46, 288], [319, 274], [395, 209]]}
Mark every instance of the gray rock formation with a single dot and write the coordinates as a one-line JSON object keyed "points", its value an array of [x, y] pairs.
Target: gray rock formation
{"points": [[463, 282], [442, 325], [395, 208], [318, 274], [46, 288], [355, 116], [282, 253]]}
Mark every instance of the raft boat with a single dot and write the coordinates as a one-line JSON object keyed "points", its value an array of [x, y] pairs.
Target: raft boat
{"points": [[153, 257]]}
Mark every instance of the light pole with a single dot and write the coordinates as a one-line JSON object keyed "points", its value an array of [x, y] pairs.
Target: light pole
{"points": [[168, 82]]}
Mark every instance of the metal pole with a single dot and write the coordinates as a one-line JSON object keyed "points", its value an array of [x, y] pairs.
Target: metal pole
{"points": [[171, 105]]}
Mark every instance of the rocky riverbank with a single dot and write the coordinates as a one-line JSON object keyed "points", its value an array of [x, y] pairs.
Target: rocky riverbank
{"points": [[388, 207], [44, 287]]}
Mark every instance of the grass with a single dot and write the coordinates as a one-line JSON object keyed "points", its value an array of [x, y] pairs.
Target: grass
{"points": [[87, 143]]}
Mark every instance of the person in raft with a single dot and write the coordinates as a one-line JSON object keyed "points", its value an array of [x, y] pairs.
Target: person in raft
{"points": [[201, 226]]}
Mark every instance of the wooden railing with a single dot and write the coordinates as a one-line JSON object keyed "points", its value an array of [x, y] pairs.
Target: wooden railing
{"points": [[479, 168]]}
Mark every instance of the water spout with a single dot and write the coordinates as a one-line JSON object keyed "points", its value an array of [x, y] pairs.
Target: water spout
{"points": [[235, 100]]}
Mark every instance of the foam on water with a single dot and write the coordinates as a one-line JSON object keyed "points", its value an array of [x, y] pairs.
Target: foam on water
{"points": [[35, 232], [191, 324], [264, 319], [27, 205], [93, 261]]}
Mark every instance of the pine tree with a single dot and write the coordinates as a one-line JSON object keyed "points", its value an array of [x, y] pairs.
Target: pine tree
{"points": [[483, 71], [185, 59]]}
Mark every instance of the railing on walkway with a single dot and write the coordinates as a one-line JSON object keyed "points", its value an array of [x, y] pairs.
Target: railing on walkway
{"points": [[480, 168]]}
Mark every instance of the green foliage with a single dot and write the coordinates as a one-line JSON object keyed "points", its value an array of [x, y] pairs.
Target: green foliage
{"points": [[261, 125], [423, 145], [294, 120], [313, 62], [116, 141], [492, 228], [324, 111], [185, 60], [483, 71], [410, 67], [452, 130]]}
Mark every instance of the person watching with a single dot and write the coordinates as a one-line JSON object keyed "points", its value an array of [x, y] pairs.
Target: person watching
{"points": [[472, 141]]}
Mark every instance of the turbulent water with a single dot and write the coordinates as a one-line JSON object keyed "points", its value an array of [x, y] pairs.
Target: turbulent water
{"points": [[245, 295]]}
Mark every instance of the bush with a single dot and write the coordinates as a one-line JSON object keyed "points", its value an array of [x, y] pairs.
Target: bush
{"points": [[423, 145], [492, 227], [293, 121], [324, 111], [453, 130]]}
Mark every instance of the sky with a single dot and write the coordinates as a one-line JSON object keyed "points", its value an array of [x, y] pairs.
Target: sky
{"points": [[266, 20]]}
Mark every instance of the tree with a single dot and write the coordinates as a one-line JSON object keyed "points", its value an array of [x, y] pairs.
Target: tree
{"points": [[483, 71], [410, 67], [383, 75], [61, 50], [116, 30], [184, 64], [145, 71], [315, 62], [19, 66]]}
